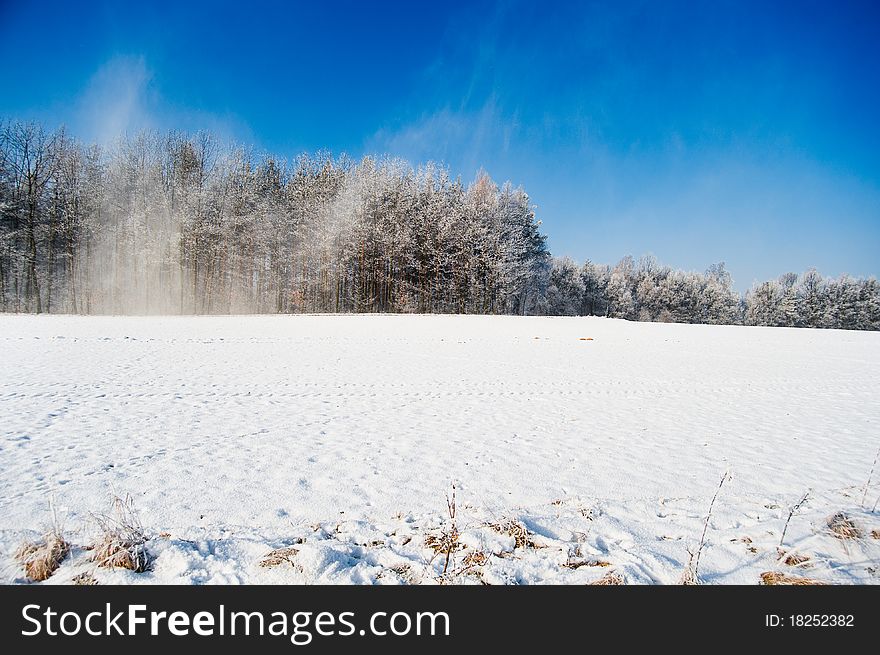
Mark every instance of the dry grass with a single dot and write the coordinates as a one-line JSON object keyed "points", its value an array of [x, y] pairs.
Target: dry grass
{"points": [[451, 535], [792, 558], [475, 558], [84, 579], [875, 534], [843, 527], [445, 542], [791, 512], [610, 578], [40, 559], [515, 529], [405, 573], [771, 578], [113, 551], [278, 557], [576, 563], [689, 575], [122, 542], [471, 564]]}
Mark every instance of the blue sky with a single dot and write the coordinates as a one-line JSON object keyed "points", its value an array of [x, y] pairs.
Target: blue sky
{"points": [[695, 131]]}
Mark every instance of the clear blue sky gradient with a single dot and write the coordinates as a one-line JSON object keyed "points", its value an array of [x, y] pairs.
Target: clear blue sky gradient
{"points": [[697, 131]]}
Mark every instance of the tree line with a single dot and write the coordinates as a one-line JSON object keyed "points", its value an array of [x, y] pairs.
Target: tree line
{"points": [[171, 223], [161, 223], [643, 290]]}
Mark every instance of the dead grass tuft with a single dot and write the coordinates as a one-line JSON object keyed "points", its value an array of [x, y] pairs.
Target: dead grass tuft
{"points": [[122, 542], [875, 534], [748, 544], [445, 542], [689, 575], [84, 579], [792, 558], [513, 528], [771, 578], [843, 527], [278, 557], [114, 551], [405, 573], [40, 559], [475, 558], [578, 563], [610, 578]]}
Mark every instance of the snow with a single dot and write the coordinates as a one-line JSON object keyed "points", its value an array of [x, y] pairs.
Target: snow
{"points": [[340, 436]]}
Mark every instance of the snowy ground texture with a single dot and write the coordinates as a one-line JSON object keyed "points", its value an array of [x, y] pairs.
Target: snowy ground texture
{"points": [[580, 448]]}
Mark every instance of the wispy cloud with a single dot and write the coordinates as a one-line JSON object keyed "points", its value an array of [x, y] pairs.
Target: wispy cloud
{"points": [[117, 99], [463, 139], [124, 97]]}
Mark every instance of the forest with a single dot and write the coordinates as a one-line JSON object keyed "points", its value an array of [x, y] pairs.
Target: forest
{"points": [[173, 223]]}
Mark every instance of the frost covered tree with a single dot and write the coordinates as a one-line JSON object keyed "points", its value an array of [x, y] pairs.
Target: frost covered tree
{"points": [[565, 290], [764, 304], [594, 279], [811, 298], [27, 165], [159, 223], [182, 223]]}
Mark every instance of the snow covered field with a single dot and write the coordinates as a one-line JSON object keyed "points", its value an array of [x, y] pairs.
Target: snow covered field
{"points": [[338, 437]]}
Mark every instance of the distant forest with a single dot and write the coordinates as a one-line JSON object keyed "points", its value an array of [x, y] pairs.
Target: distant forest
{"points": [[183, 224]]}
